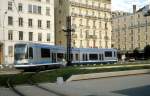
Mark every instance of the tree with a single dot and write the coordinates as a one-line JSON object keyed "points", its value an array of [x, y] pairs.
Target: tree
{"points": [[136, 53], [147, 51]]}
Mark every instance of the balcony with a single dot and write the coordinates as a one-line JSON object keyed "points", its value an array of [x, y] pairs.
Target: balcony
{"points": [[88, 27]]}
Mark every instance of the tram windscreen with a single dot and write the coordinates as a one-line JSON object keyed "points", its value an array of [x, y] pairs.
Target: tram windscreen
{"points": [[20, 51], [93, 56]]}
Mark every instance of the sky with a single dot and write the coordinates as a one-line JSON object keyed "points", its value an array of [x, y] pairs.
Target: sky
{"points": [[126, 5]]}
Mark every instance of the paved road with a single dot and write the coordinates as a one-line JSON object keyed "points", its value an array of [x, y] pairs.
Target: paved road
{"points": [[138, 85]]}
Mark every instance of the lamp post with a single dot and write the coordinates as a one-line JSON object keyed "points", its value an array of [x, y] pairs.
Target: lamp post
{"points": [[68, 31], [4, 37]]}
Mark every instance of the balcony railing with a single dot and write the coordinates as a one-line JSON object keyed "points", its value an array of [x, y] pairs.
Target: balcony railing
{"points": [[91, 36], [77, 4], [90, 17]]}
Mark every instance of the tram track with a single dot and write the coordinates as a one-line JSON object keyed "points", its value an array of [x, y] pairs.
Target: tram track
{"points": [[29, 81], [33, 83], [12, 87]]}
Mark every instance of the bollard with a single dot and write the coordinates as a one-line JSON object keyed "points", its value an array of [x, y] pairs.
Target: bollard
{"points": [[60, 80]]}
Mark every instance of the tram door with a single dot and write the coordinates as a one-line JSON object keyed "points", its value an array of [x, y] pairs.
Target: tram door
{"points": [[1, 54], [54, 57]]}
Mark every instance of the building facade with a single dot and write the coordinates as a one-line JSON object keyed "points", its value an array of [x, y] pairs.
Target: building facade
{"points": [[91, 20], [131, 31], [24, 21]]}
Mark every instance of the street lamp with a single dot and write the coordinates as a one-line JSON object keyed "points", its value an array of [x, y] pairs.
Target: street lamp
{"points": [[4, 24], [4, 36], [68, 31]]}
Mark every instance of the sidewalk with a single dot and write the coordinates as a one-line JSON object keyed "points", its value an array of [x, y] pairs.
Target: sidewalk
{"points": [[114, 66], [9, 71]]}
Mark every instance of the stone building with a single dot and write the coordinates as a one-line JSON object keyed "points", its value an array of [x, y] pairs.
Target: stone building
{"points": [[91, 20], [130, 31], [24, 21]]}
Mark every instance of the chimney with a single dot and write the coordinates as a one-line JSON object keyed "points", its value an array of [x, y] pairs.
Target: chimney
{"points": [[134, 8]]}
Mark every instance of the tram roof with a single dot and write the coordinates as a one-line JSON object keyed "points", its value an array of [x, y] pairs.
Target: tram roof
{"points": [[92, 49]]}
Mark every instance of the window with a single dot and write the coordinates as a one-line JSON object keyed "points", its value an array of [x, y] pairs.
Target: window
{"points": [[9, 5], [20, 7], [47, 11], [81, 43], [30, 8], [34, 9], [39, 9], [30, 22], [93, 56], [39, 23], [106, 26], [30, 36], [87, 43], [94, 43], [20, 35], [47, 1], [60, 2], [48, 36], [39, 36], [48, 24], [45, 53], [80, 21], [10, 35], [10, 51], [108, 54], [10, 20], [20, 22]]}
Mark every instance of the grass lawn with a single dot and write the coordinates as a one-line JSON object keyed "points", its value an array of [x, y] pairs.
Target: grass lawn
{"points": [[51, 76]]}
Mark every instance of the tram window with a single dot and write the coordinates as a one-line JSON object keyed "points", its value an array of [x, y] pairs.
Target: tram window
{"points": [[71, 57], [30, 53], [60, 56], [108, 54], [45, 52], [100, 57], [114, 54], [93, 56]]}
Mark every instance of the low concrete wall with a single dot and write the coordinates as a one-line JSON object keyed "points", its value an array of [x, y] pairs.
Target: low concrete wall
{"points": [[106, 74]]}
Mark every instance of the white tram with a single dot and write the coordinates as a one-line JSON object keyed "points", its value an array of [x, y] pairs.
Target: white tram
{"points": [[37, 55], [94, 56], [40, 55]]}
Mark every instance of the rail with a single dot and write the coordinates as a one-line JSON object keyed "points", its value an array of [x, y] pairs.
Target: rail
{"points": [[29, 81], [11, 85]]}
